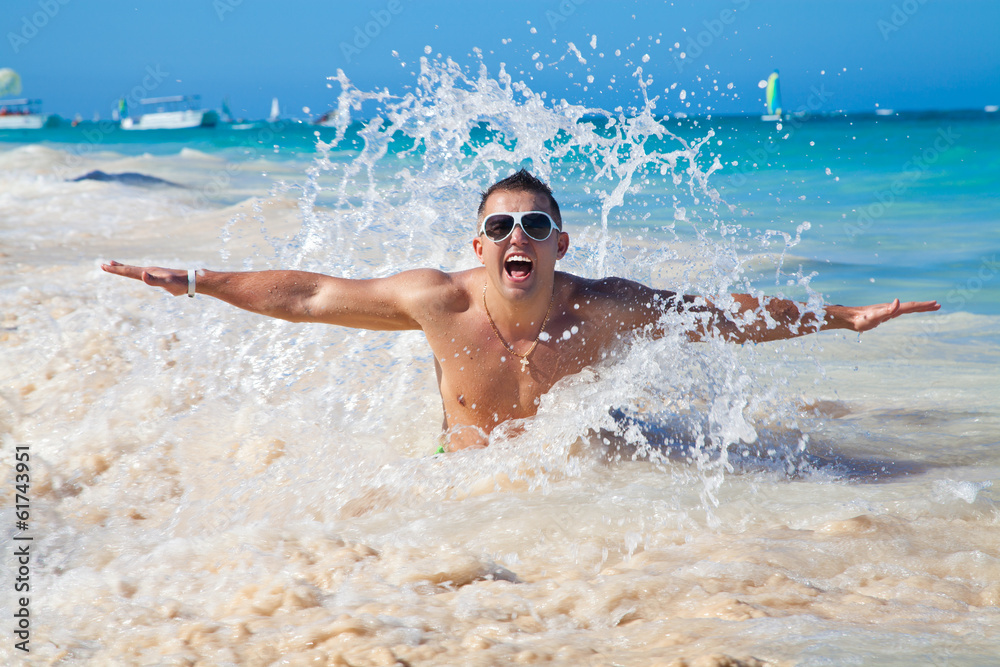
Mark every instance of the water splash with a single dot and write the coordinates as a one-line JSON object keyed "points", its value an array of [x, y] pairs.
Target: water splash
{"points": [[397, 189]]}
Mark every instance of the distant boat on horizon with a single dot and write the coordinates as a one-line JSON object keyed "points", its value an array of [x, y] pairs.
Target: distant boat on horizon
{"points": [[992, 108], [275, 111], [772, 98], [170, 113], [24, 114]]}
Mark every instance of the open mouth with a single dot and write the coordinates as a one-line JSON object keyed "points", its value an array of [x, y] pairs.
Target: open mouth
{"points": [[518, 267]]}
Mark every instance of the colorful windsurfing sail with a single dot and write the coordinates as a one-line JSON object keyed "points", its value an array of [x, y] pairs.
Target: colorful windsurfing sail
{"points": [[773, 95]]}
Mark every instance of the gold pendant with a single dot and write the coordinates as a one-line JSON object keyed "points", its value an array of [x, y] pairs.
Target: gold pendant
{"points": [[524, 364]]}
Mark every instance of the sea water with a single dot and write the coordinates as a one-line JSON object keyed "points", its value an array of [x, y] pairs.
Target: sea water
{"points": [[208, 486]]}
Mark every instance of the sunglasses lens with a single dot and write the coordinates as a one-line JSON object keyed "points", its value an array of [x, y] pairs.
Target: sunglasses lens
{"points": [[537, 226], [497, 227]]}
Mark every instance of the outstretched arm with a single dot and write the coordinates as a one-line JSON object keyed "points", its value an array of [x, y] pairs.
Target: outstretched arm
{"points": [[779, 319], [744, 320], [391, 303]]}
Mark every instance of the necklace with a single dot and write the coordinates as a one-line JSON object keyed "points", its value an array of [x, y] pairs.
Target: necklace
{"points": [[510, 348]]}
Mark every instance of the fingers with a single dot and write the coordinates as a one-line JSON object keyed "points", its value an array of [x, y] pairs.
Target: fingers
{"points": [[895, 309], [175, 282], [921, 306], [120, 269]]}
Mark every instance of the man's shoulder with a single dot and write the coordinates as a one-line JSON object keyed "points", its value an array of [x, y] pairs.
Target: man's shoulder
{"points": [[440, 289], [611, 296], [610, 287], [614, 307]]}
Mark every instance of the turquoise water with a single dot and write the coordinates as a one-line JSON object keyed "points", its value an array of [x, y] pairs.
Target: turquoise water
{"points": [[910, 202]]}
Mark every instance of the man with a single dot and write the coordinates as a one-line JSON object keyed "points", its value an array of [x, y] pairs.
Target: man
{"points": [[504, 334]]}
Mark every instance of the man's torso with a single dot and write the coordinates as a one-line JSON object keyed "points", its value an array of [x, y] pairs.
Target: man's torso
{"points": [[482, 383]]}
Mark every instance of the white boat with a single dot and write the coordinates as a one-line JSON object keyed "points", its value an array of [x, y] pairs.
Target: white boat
{"points": [[24, 115], [772, 98], [170, 113], [275, 111], [882, 111], [992, 108]]}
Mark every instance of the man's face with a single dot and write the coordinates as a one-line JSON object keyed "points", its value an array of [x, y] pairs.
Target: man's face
{"points": [[518, 267]]}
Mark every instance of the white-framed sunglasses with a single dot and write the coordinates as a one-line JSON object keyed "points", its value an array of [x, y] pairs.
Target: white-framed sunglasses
{"points": [[536, 225]]}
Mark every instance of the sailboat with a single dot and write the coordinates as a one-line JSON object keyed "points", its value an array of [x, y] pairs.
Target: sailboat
{"points": [[772, 97], [275, 111]]}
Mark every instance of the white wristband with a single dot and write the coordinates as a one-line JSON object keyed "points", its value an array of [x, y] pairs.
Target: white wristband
{"points": [[191, 282]]}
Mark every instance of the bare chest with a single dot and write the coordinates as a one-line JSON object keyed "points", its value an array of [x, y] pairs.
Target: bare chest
{"points": [[484, 383]]}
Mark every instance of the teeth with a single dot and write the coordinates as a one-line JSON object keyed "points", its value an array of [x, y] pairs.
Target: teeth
{"points": [[518, 258]]}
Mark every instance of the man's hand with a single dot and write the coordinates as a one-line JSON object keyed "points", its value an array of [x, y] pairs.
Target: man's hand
{"points": [[173, 280], [866, 318]]}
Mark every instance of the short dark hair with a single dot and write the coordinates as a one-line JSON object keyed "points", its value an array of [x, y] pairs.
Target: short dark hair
{"points": [[522, 181]]}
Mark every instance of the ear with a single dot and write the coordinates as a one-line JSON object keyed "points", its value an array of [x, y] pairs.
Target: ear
{"points": [[477, 247], [562, 245]]}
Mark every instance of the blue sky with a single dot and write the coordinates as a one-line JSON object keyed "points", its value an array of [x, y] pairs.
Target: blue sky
{"points": [[79, 56]]}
